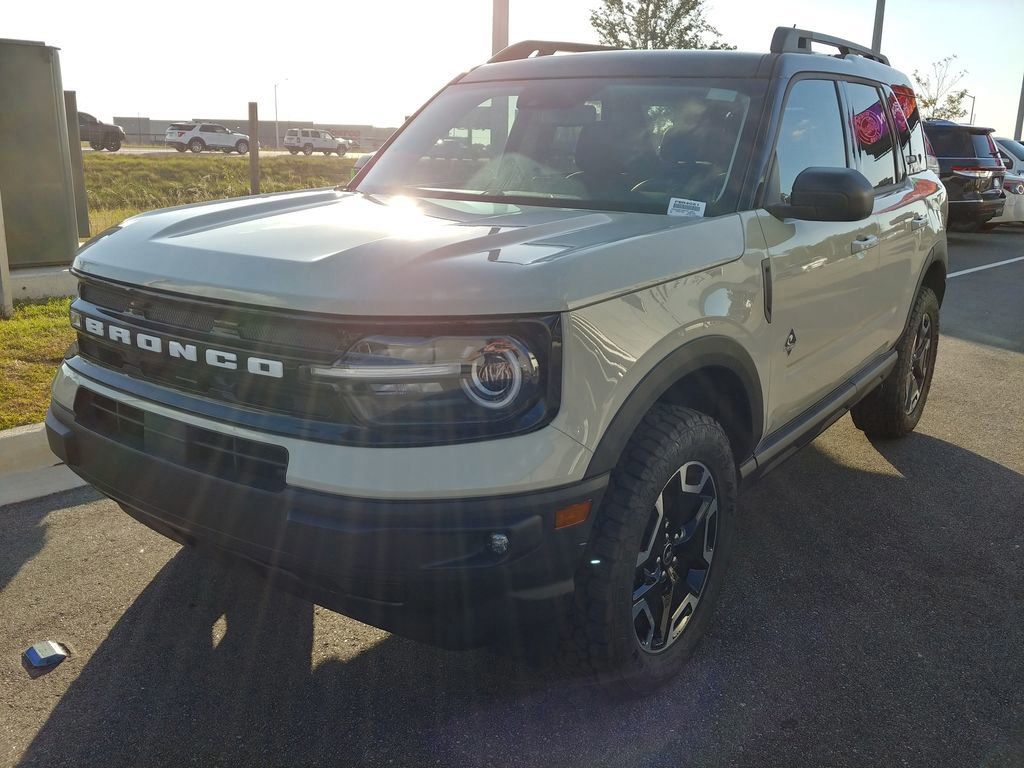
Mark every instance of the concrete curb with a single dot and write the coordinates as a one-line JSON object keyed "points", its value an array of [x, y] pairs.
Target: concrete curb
{"points": [[24, 449], [28, 469]]}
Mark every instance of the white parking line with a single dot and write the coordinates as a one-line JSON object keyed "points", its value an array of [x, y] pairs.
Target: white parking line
{"points": [[986, 266]]}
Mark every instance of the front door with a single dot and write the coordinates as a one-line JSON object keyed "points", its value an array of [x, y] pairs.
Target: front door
{"points": [[819, 270]]}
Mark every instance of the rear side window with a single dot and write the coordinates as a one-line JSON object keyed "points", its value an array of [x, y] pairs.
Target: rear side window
{"points": [[292, 132], [873, 138], [1015, 148], [811, 132], [907, 118]]}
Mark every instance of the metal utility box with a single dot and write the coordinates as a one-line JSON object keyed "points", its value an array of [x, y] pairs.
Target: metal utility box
{"points": [[36, 184]]}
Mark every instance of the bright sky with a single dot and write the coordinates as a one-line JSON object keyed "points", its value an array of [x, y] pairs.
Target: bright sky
{"points": [[375, 62]]}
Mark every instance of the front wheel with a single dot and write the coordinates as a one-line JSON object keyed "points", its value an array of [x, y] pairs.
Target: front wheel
{"points": [[196, 146], [242, 146], [113, 145], [658, 553], [893, 408]]}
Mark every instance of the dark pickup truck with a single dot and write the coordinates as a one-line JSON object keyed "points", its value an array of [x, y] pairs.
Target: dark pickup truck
{"points": [[100, 135]]}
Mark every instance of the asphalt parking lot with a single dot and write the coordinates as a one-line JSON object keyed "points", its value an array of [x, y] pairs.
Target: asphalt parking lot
{"points": [[874, 615]]}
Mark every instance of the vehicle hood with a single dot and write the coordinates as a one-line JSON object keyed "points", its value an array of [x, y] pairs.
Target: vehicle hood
{"points": [[353, 254]]}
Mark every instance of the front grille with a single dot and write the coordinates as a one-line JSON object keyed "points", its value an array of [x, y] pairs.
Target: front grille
{"points": [[297, 341], [224, 320], [225, 457]]}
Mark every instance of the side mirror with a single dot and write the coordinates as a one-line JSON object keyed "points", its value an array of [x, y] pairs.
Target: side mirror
{"points": [[1007, 163], [828, 194]]}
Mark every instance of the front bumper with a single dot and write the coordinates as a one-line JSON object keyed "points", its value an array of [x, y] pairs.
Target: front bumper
{"points": [[418, 568]]}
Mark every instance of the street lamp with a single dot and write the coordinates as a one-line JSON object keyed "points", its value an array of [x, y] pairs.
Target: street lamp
{"points": [[969, 96], [277, 129]]}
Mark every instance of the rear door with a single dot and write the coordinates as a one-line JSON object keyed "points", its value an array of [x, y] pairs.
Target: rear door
{"points": [[900, 212], [820, 270]]}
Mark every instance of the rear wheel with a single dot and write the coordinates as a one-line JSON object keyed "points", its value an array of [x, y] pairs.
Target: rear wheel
{"points": [[97, 145], [294, 151], [658, 553], [196, 146], [895, 406], [179, 147]]}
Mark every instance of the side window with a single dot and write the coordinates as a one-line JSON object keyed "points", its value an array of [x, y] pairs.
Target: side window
{"points": [[206, 129], [872, 135], [907, 117], [811, 133], [315, 134]]}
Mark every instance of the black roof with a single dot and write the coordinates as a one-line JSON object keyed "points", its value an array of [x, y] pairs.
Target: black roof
{"points": [[791, 54]]}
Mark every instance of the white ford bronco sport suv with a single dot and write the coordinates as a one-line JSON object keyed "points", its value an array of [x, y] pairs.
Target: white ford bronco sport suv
{"points": [[468, 399]]}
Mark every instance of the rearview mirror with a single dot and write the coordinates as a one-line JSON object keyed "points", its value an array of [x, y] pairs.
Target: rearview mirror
{"points": [[828, 194]]}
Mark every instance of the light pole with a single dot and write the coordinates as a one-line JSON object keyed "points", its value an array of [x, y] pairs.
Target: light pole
{"points": [[277, 130], [876, 36], [969, 96], [499, 26]]}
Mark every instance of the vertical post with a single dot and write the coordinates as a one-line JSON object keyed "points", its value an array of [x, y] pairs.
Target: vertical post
{"points": [[499, 26], [1020, 114], [6, 297], [876, 36], [254, 149], [277, 128], [77, 173]]}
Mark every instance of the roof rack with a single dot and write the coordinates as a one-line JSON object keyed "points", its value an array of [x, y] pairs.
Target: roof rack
{"points": [[792, 40], [528, 48]]}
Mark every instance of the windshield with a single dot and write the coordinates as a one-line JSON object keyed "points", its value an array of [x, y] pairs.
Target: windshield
{"points": [[653, 146]]}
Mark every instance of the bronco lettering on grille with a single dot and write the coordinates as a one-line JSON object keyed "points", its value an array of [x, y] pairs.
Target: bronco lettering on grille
{"points": [[179, 350]]}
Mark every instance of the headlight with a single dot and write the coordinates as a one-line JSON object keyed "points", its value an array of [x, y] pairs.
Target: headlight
{"points": [[464, 382]]}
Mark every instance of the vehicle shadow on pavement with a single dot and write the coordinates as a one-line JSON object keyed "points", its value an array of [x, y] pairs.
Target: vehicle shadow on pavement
{"points": [[23, 529], [870, 617]]}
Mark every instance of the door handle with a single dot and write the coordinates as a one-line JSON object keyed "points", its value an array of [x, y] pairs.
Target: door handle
{"points": [[863, 243], [918, 222]]}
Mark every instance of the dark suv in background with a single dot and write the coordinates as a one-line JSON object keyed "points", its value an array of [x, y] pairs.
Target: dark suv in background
{"points": [[971, 170], [100, 135]]}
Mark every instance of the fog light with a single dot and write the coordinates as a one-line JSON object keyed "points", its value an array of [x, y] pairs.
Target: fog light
{"points": [[498, 543]]}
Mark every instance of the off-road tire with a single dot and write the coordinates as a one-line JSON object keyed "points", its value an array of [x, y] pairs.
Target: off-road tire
{"points": [[884, 412], [196, 146], [603, 640]]}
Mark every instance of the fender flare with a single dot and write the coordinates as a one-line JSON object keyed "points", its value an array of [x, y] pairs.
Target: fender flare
{"points": [[705, 352], [939, 253]]}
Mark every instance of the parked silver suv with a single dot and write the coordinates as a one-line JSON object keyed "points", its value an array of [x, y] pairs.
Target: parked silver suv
{"points": [[515, 394]]}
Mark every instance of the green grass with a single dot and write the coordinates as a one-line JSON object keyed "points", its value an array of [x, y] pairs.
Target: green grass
{"points": [[119, 186], [32, 344]]}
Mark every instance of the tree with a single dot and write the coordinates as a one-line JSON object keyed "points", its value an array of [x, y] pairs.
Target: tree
{"points": [[655, 24], [937, 94]]}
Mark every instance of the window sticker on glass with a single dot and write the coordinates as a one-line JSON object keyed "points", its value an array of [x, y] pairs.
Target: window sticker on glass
{"points": [[679, 206]]}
